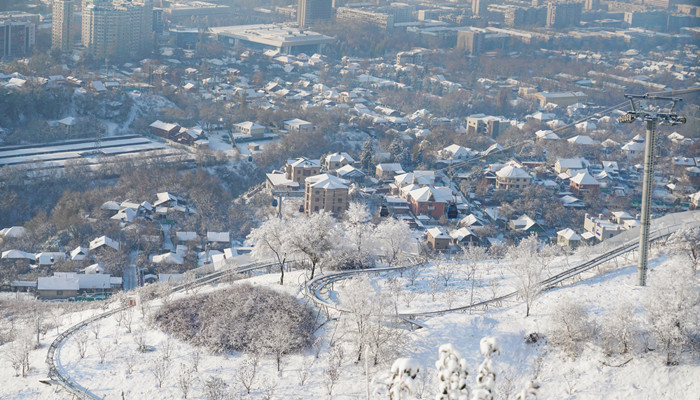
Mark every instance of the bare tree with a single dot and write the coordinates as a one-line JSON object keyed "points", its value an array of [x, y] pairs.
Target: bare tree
{"points": [[434, 286], [304, 370], [215, 389], [130, 362], [167, 348], [473, 255], [81, 340], [18, 354], [314, 238], [185, 380], [332, 374], [128, 318], [248, 370], [195, 357], [102, 350], [160, 367], [140, 339], [96, 326]]}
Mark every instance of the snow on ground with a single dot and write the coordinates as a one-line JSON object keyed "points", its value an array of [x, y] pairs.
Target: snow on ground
{"points": [[587, 377]]}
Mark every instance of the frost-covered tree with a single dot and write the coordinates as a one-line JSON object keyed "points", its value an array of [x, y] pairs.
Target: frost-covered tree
{"points": [[215, 388], [620, 329], [451, 375], [527, 270], [473, 255], [314, 237], [394, 238], [271, 240], [358, 229], [687, 243], [486, 377], [571, 326], [673, 309], [368, 312]]}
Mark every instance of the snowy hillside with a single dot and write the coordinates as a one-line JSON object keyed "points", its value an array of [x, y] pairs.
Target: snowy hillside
{"points": [[578, 369]]}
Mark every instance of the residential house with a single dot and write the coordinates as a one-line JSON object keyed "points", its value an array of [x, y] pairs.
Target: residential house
{"points": [[335, 161], [601, 228], [584, 182], [388, 170], [694, 200], [189, 136], [218, 239], [350, 173], [301, 168], [569, 165], [568, 237], [164, 129], [437, 238], [457, 152], [463, 237], [525, 224], [13, 232], [104, 242], [250, 128], [633, 148], [279, 181], [486, 125], [510, 177], [430, 201], [58, 286], [297, 125], [325, 193]]}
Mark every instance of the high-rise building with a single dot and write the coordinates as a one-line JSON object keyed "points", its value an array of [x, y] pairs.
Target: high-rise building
{"points": [[62, 24], [591, 5], [562, 15], [479, 7], [119, 29], [16, 37], [310, 11]]}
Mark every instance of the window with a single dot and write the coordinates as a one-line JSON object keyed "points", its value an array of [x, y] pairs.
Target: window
{"points": [[59, 292], [316, 208]]}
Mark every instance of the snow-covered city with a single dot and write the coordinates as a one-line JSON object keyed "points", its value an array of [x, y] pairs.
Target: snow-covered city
{"points": [[328, 199]]}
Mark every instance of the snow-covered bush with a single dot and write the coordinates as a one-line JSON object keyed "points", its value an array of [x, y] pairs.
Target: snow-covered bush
{"points": [[452, 374], [571, 327], [400, 384], [486, 377], [242, 318]]}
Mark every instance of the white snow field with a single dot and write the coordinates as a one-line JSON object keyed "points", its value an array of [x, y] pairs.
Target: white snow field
{"points": [[591, 375]]}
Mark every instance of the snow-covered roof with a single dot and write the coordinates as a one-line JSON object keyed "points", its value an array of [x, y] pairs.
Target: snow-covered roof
{"points": [[461, 233], [438, 232], [432, 194], [167, 258], [569, 234], [349, 171], [584, 178], [110, 206], [326, 181], [104, 241], [17, 254], [218, 236], [58, 283], [339, 157], [13, 232], [512, 172], [186, 236]]}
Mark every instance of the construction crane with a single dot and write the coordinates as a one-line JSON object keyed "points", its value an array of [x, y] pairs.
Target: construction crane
{"points": [[653, 117]]}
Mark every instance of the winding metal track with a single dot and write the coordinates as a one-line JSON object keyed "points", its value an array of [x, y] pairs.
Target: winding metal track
{"points": [[315, 287]]}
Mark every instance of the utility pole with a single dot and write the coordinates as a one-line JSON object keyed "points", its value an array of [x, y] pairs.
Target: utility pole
{"points": [[652, 118]]}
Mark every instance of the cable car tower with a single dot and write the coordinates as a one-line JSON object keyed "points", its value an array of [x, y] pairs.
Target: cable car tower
{"points": [[653, 117]]}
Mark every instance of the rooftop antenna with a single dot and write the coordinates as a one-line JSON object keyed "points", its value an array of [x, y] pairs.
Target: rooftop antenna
{"points": [[653, 117]]}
